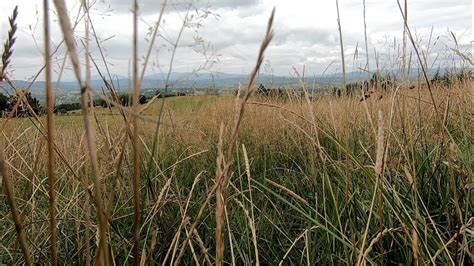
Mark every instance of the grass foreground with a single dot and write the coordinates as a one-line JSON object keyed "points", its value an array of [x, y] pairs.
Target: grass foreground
{"points": [[321, 181]]}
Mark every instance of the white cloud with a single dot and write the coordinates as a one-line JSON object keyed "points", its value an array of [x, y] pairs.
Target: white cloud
{"points": [[306, 32]]}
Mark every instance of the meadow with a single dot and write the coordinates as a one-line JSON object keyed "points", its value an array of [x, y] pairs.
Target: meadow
{"points": [[305, 187], [243, 179]]}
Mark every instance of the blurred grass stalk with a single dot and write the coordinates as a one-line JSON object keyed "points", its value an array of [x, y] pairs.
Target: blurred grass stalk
{"points": [[50, 134]]}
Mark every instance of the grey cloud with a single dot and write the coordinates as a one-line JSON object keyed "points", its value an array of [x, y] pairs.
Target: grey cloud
{"points": [[438, 4], [26, 48], [154, 6], [239, 30], [304, 36]]}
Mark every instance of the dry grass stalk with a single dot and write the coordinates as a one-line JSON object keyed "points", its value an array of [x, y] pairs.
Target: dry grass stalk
{"points": [[223, 173], [174, 243], [463, 56], [194, 233], [415, 244], [422, 65], [153, 243], [68, 34], [378, 172], [194, 225], [367, 67], [321, 152], [152, 41], [202, 247], [6, 180], [87, 214], [460, 232], [231, 238], [378, 237], [342, 46], [404, 74], [136, 141], [294, 243], [409, 177], [307, 248], [252, 217], [6, 56], [379, 165], [65, 23], [379, 162], [253, 230], [288, 191], [87, 209], [8, 45], [10, 196], [50, 134], [220, 199]]}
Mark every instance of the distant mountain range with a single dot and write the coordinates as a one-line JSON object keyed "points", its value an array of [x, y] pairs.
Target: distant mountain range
{"points": [[155, 81], [180, 81]]}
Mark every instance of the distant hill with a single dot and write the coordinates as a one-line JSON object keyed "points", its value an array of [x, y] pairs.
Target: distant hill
{"points": [[156, 81], [69, 90]]}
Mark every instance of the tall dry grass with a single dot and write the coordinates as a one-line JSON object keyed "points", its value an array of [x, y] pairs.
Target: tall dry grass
{"points": [[287, 196], [298, 180], [50, 134]]}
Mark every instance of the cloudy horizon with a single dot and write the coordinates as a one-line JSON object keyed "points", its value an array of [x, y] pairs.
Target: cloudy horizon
{"points": [[230, 32]]}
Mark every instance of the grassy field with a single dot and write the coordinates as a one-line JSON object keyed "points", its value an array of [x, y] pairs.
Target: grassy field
{"points": [[329, 181], [237, 180]]}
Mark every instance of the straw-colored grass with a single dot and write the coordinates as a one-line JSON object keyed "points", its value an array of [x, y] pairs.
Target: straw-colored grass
{"points": [[294, 199], [231, 180]]}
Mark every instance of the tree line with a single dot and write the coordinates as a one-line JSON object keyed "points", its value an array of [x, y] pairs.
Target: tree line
{"points": [[8, 102], [387, 82], [125, 100]]}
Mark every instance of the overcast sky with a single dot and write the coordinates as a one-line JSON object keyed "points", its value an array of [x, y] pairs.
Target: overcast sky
{"points": [[305, 34]]}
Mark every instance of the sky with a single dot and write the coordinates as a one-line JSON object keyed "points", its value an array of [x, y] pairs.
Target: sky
{"points": [[225, 35]]}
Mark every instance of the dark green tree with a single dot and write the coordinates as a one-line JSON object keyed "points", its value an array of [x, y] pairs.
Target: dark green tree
{"points": [[124, 99], [142, 99], [100, 102], [22, 110], [3, 102]]}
